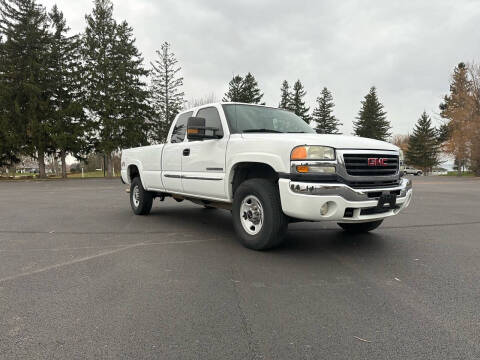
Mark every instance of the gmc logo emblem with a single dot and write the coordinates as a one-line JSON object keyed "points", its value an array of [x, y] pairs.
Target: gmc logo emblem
{"points": [[377, 162]]}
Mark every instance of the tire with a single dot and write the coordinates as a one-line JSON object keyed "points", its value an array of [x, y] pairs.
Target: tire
{"points": [[258, 201], [360, 228], [140, 200]]}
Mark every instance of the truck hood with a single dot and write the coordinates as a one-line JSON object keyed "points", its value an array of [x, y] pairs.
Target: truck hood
{"points": [[335, 141]]}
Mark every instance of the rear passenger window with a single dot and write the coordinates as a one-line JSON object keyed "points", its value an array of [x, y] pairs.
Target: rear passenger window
{"points": [[180, 128], [212, 119]]}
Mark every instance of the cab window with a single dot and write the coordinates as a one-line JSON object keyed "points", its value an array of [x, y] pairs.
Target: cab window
{"points": [[180, 128], [212, 119]]}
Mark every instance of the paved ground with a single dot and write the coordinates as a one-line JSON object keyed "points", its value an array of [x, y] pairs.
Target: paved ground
{"points": [[81, 277]]}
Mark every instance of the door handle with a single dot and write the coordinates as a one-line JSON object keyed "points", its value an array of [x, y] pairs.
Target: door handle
{"points": [[186, 152]]}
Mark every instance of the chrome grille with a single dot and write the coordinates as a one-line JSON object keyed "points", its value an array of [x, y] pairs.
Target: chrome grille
{"points": [[358, 165]]}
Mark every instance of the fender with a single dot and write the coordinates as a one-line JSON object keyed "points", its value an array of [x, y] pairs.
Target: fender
{"points": [[272, 160], [138, 164]]}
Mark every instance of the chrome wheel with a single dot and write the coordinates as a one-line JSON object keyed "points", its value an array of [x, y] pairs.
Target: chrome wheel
{"points": [[251, 215], [136, 196]]}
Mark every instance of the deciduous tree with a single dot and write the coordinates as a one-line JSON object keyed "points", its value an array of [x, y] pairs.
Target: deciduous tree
{"points": [[458, 108]]}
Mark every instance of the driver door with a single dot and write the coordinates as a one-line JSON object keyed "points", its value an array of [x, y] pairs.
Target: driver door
{"points": [[203, 162]]}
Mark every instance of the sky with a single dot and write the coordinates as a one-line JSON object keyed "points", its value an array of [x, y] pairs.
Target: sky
{"points": [[407, 49]]}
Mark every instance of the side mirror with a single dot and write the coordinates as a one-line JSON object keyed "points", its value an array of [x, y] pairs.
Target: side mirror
{"points": [[196, 129]]}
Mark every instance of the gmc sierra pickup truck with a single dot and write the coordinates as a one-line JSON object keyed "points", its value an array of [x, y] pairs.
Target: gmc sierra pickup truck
{"points": [[269, 168]]}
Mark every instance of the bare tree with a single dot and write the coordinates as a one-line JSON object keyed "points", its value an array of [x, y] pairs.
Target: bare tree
{"points": [[206, 99]]}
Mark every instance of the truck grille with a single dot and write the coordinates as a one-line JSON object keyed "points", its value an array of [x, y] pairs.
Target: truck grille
{"points": [[358, 164]]}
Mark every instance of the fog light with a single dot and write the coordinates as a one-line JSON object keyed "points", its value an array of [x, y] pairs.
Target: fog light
{"points": [[324, 209]]}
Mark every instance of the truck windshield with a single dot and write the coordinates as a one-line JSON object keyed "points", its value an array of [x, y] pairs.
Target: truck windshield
{"points": [[257, 119]]}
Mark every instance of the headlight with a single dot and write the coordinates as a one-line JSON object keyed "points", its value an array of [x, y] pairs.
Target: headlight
{"points": [[314, 152]]}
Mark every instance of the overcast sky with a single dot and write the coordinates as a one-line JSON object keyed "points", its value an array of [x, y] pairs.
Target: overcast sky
{"points": [[406, 49]]}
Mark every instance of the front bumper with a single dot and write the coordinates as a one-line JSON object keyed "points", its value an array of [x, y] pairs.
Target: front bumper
{"points": [[303, 200]]}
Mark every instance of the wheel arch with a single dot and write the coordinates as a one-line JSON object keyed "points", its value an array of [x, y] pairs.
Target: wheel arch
{"points": [[244, 170], [134, 170]]}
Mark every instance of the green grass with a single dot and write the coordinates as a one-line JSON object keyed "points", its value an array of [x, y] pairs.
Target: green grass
{"points": [[455, 173], [86, 175]]}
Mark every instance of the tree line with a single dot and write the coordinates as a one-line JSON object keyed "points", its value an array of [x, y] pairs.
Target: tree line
{"points": [[79, 94], [90, 93]]}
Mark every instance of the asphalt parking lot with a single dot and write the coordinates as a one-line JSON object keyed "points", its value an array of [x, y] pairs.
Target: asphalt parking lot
{"points": [[82, 277]]}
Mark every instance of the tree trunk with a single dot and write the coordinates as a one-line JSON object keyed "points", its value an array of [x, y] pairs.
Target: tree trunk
{"points": [[109, 165], [41, 165], [12, 169], [63, 156]]}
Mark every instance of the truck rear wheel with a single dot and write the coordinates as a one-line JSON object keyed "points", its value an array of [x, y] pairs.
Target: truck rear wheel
{"points": [[258, 218], [140, 199], [358, 228]]}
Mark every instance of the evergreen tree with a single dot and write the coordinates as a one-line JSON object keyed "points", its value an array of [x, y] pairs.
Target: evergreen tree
{"points": [[235, 90], [116, 96], [371, 120], [250, 92], [166, 91], [297, 104], [68, 122], [243, 89], [423, 146], [326, 122], [285, 96], [25, 78]]}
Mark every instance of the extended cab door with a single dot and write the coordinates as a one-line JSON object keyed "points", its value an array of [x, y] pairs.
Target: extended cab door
{"points": [[172, 154], [203, 162]]}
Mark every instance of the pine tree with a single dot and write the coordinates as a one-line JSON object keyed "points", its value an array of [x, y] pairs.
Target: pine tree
{"points": [[251, 94], [68, 121], [25, 77], [297, 104], [235, 90], [116, 97], [423, 146], [285, 96], [166, 91], [371, 120], [243, 89], [135, 110], [9, 134], [326, 122]]}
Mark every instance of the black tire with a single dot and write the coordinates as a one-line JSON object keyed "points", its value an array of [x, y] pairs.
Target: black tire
{"points": [[145, 198], [275, 223], [359, 228]]}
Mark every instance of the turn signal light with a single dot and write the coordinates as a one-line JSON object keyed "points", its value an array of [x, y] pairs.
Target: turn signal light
{"points": [[302, 169]]}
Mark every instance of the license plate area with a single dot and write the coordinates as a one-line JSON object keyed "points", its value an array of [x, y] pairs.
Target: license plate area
{"points": [[387, 201]]}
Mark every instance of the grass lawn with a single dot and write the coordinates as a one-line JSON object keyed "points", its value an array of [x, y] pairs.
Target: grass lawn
{"points": [[455, 173], [90, 174]]}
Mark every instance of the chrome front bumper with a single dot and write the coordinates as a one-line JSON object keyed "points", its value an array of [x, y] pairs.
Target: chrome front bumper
{"points": [[347, 192], [303, 200]]}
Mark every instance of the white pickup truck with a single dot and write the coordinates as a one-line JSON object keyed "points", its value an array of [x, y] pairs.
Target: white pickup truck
{"points": [[269, 168]]}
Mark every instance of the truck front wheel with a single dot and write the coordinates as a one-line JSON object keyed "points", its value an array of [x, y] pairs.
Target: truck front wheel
{"points": [[140, 199], [358, 228], [258, 218]]}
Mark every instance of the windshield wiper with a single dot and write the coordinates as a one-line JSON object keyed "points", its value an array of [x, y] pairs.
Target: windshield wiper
{"points": [[298, 132], [262, 130]]}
